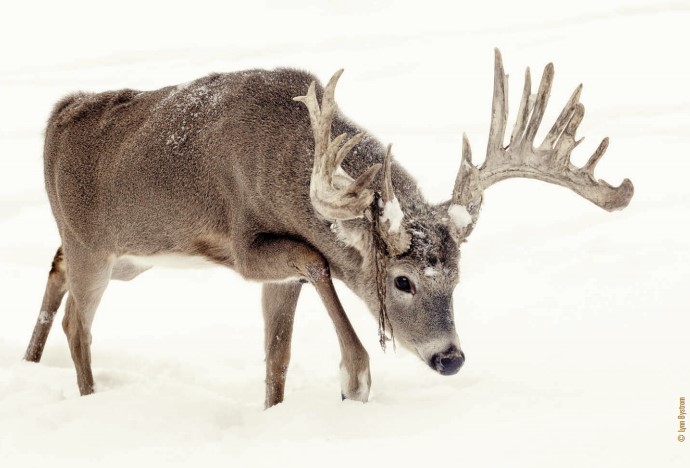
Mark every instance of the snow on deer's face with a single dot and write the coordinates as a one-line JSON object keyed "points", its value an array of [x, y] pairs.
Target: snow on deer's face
{"points": [[419, 297]]}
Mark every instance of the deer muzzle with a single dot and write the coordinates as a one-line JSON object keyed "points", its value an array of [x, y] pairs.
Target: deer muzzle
{"points": [[448, 362]]}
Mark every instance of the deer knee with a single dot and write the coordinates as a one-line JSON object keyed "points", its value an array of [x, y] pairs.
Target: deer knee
{"points": [[68, 320], [73, 323], [315, 267]]}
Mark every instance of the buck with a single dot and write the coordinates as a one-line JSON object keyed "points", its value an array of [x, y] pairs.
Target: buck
{"points": [[230, 169]]}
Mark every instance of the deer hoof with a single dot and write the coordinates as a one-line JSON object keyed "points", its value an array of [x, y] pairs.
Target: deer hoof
{"points": [[356, 388]]}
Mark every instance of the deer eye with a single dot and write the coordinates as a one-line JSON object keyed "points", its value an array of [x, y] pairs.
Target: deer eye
{"points": [[404, 284]]}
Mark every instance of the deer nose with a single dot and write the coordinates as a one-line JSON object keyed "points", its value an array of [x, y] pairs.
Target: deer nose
{"points": [[448, 362]]}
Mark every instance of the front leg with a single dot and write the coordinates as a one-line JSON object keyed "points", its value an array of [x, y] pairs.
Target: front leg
{"points": [[272, 259], [279, 301]]}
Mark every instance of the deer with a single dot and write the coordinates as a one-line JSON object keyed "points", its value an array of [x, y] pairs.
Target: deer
{"points": [[230, 170]]}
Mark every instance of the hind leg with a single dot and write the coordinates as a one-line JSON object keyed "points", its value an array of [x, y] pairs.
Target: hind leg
{"points": [[52, 297], [88, 275]]}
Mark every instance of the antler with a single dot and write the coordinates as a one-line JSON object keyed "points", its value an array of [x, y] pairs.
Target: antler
{"points": [[549, 162], [334, 194], [397, 239]]}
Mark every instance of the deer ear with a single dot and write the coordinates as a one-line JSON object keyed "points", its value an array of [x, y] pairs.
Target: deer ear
{"points": [[460, 219], [462, 210]]}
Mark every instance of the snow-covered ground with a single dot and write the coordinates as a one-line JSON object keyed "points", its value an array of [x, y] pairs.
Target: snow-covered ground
{"points": [[575, 322]]}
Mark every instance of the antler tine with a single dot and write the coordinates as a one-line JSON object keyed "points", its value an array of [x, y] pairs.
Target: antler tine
{"points": [[594, 159], [467, 190], [312, 104], [347, 147], [562, 120], [549, 162], [465, 163], [539, 104], [328, 108], [387, 193], [390, 225], [526, 106], [467, 195], [499, 107]]}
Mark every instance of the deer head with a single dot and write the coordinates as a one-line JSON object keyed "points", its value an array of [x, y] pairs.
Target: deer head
{"points": [[410, 251]]}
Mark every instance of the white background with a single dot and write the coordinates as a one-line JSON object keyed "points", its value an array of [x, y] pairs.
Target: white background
{"points": [[575, 321]]}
